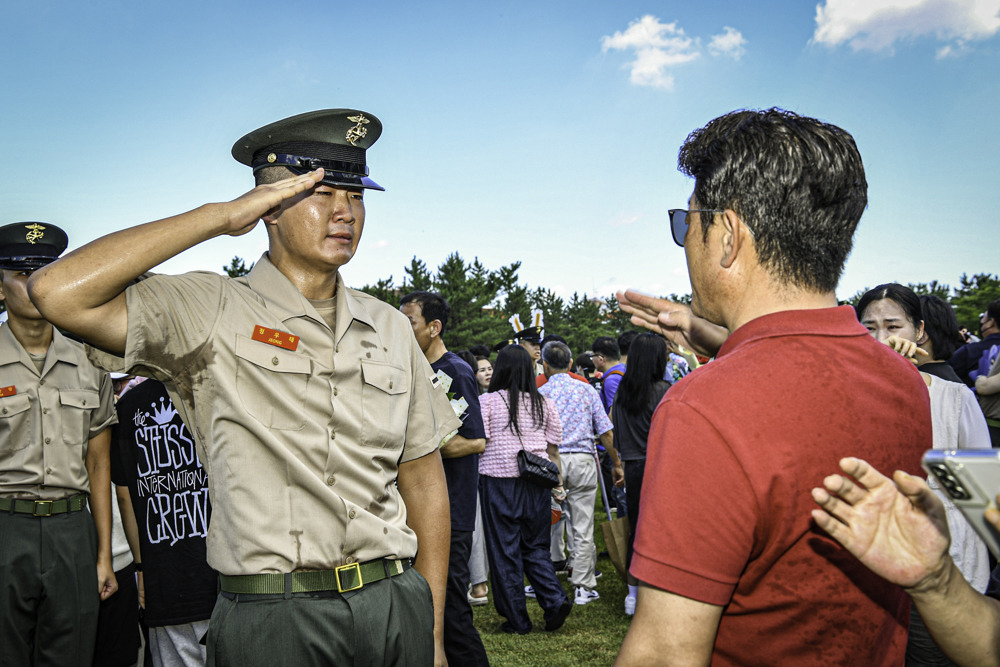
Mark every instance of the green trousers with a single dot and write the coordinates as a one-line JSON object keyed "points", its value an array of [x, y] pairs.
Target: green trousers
{"points": [[389, 622], [48, 589]]}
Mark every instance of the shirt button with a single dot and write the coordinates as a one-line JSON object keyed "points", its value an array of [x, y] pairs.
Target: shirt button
{"points": [[330, 481], [48, 471], [350, 559], [333, 436], [45, 411], [274, 360], [48, 441], [5, 410], [41, 383], [335, 392], [352, 514]]}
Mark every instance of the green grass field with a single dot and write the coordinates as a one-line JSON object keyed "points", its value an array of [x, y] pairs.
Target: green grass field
{"points": [[592, 635]]}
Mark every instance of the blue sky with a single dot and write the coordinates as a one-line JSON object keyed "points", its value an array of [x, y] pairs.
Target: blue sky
{"points": [[540, 132]]}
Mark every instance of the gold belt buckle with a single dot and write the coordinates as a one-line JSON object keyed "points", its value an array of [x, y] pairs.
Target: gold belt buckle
{"points": [[47, 504], [343, 568]]}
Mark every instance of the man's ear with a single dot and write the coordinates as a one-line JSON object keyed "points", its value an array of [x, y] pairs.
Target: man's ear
{"points": [[436, 328], [736, 237], [921, 334]]}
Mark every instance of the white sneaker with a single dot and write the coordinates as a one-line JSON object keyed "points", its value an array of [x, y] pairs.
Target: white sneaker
{"points": [[630, 605], [529, 592], [583, 596]]}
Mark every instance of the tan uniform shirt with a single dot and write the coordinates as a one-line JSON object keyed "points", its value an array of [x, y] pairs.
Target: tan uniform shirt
{"points": [[301, 445], [47, 419]]}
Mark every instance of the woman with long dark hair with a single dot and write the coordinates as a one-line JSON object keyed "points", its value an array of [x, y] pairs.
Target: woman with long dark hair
{"points": [[516, 514], [639, 393]]}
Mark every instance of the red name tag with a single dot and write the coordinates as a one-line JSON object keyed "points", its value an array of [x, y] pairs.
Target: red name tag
{"points": [[7, 391], [272, 337]]}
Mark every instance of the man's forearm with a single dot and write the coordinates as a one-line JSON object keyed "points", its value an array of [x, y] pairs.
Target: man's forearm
{"points": [[83, 291], [459, 446], [424, 490], [964, 623]]}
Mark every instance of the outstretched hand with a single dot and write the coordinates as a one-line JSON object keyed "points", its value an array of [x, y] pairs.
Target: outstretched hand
{"points": [[673, 320], [895, 527], [244, 211]]}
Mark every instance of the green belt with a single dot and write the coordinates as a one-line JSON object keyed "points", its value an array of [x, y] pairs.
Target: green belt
{"points": [[995, 423], [44, 507], [345, 578]]}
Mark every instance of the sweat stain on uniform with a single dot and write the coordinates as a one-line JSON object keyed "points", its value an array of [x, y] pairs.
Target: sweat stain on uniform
{"points": [[298, 547]]}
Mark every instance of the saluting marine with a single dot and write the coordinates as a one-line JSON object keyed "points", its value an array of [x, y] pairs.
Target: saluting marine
{"points": [[315, 413]]}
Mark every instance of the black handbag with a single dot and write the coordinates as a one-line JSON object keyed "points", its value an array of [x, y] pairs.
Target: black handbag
{"points": [[536, 470], [533, 468]]}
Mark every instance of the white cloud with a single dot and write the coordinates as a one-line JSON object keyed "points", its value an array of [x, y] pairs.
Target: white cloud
{"points": [[381, 243], [877, 25], [624, 220], [730, 43], [657, 46]]}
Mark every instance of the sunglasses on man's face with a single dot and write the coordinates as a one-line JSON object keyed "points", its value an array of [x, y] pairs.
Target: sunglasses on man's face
{"points": [[679, 221]]}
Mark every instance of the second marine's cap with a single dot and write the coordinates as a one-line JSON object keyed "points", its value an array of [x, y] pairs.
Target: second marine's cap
{"points": [[30, 245], [531, 334], [335, 139]]}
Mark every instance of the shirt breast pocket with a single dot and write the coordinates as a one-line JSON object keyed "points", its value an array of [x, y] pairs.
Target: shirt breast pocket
{"points": [[76, 406], [15, 423], [272, 383], [384, 405]]}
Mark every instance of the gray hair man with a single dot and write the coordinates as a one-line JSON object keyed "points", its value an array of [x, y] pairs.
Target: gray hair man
{"points": [[583, 420]]}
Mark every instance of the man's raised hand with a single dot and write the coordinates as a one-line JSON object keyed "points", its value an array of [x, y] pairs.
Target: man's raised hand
{"points": [[244, 211]]}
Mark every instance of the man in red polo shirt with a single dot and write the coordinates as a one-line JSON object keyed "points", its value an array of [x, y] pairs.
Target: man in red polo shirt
{"points": [[734, 571]]}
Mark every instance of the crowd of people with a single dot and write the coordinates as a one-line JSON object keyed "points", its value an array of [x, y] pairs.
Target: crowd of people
{"points": [[297, 473]]}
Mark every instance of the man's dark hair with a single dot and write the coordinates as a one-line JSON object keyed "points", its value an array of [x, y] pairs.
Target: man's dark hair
{"points": [[625, 341], [584, 364], [796, 182], [607, 347], [557, 355], [993, 311], [941, 326], [269, 175], [901, 294], [432, 306]]}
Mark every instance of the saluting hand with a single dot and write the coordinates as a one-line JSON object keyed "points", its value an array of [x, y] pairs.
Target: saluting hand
{"points": [[245, 211], [673, 320]]}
